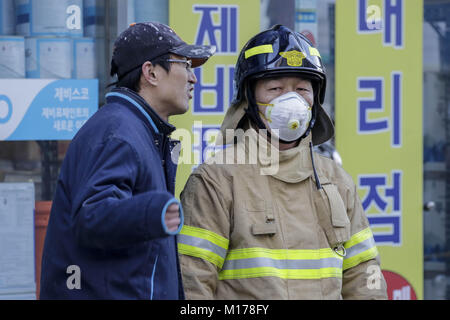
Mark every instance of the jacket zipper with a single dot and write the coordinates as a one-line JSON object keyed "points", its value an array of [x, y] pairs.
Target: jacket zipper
{"points": [[165, 145], [153, 278]]}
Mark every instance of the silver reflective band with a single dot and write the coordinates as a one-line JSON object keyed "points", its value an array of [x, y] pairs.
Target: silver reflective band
{"points": [[282, 263], [360, 247], [202, 243]]}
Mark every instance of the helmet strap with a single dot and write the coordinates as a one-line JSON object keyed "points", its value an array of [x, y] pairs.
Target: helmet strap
{"points": [[316, 88], [252, 109]]}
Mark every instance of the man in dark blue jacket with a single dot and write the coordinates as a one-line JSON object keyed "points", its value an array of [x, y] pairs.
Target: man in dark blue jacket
{"points": [[114, 218]]}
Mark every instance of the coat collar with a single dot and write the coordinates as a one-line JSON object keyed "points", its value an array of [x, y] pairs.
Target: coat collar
{"points": [[129, 96], [291, 166]]}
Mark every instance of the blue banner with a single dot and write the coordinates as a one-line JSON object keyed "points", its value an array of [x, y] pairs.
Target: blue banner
{"points": [[45, 109]]}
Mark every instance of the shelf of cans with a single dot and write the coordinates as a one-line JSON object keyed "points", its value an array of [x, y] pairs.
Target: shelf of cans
{"points": [[50, 38]]}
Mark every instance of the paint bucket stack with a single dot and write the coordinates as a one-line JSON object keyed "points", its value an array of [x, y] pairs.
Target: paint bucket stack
{"points": [[94, 18], [7, 20], [84, 66], [94, 29], [46, 38], [12, 48], [12, 57], [151, 10], [48, 57], [53, 18]]}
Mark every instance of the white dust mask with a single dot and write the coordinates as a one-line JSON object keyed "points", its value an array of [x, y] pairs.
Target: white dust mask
{"points": [[290, 114]]}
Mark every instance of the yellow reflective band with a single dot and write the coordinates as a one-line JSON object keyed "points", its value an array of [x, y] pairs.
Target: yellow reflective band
{"points": [[206, 235], [281, 254], [281, 273], [360, 248], [200, 253], [314, 52], [265, 48], [281, 263], [358, 238], [361, 257]]}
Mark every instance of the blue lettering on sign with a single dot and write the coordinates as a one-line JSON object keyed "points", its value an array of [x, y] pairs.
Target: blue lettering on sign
{"points": [[217, 88], [204, 146], [394, 222], [371, 105], [5, 104], [378, 195], [375, 104], [393, 12], [369, 20], [396, 109], [58, 110], [217, 26], [227, 42], [374, 183]]}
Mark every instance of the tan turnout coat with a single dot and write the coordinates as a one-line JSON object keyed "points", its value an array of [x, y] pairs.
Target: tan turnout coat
{"points": [[253, 232]]}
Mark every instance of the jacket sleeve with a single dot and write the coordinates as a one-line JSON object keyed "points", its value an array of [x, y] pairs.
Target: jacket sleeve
{"points": [[105, 211], [203, 241], [362, 276]]}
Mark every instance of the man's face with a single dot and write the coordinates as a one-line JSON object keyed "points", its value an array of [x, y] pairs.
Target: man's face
{"points": [[176, 87], [268, 89]]}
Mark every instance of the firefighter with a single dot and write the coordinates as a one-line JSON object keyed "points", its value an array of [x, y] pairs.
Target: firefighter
{"points": [[296, 232]]}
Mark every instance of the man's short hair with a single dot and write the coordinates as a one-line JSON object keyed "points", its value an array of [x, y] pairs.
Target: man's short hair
{"points": [[132, 80]]}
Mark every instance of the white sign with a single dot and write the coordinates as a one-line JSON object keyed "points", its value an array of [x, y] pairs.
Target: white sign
{"points": [[17, 261]]}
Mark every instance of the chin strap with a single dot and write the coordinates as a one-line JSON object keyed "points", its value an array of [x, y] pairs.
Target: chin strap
{"points": [[316, 177], [316, 88], [252, 110]]}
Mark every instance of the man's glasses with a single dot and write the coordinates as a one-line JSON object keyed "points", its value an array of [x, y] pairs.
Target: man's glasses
{"points": [[187, 62]]}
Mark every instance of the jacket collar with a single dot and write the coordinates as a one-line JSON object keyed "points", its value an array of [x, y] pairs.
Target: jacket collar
{"points": [[131, 97], [292, 166]]}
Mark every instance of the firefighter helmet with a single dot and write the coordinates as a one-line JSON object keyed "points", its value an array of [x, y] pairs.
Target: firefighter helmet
{"points": [[280, 51]]}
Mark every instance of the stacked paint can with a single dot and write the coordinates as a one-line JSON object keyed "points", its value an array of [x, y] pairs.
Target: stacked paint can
{"points": [[50, 34], [12, 48], [94, 18], [61, 18], [94, 28], [12, 57], [60, 58], [151, 10], [7, 17], [84, 66]]}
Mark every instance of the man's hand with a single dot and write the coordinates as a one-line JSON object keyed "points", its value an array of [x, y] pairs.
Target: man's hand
{"points": [[172, 217]]}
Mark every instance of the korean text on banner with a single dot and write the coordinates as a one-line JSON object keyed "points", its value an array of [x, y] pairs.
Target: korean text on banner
{"points": [[48, 109], [379, 125], [228, 25]]}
